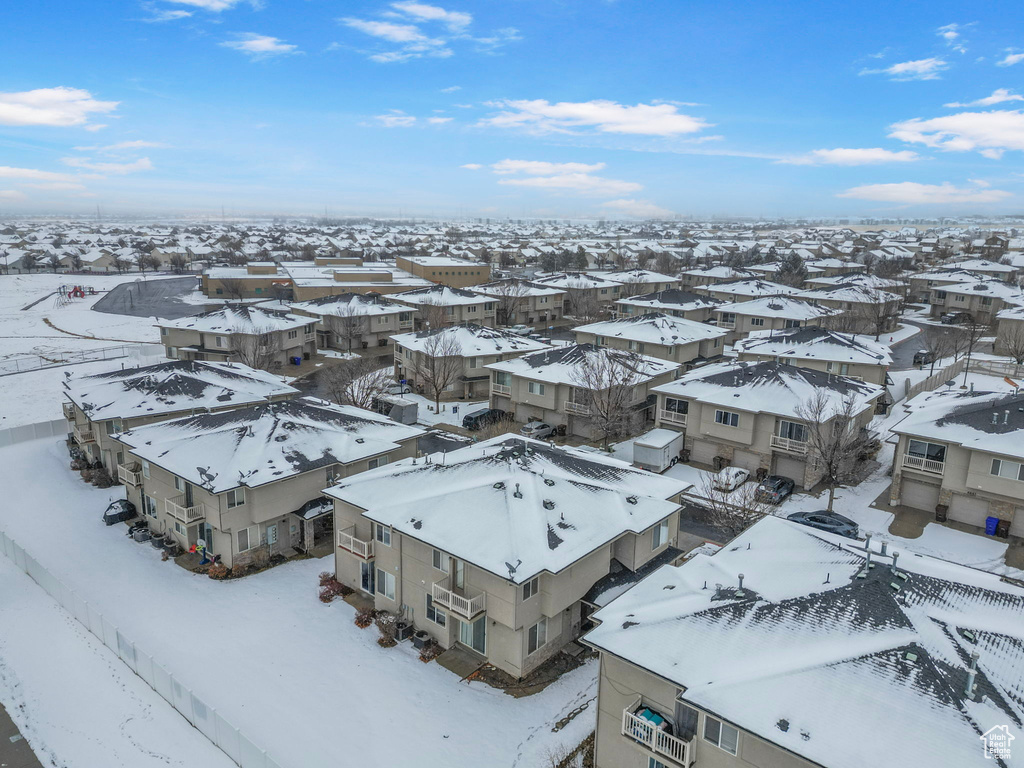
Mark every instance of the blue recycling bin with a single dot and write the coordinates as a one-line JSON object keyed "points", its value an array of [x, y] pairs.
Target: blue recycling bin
{"points": [[296, 361], [991, 523]]}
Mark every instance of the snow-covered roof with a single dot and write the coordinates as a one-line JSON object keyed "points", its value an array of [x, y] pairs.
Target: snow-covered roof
{"points": [[639, 276], [265, 443], [441, 296], [1011, 294], [172, 387], [577, 281], [770, 387], [654, 328], [721, 272], [980, 421], [813, 343], [753, 287], [840, 669], [851, 292], [672, 299], [778, 306], [346, 303], [514, 288], [472, 340], [561, 365], [511, 505], [244, 319], [982, 265]]}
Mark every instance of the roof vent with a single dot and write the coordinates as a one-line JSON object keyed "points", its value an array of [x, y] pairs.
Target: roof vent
{"points": [[549, 504], [972, 673], [548, 481], [632, 500], [518, 494], [360, 440], [499, 485]]}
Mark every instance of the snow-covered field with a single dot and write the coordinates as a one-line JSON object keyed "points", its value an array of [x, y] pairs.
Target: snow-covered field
{"points": [[296, 675]]}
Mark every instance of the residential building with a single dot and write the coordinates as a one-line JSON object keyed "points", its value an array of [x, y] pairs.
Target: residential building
{"points": [[922, 283], [843, 354], [695, 278], [239, 480], [1010, 332], [772, 313], [796, 648], [350, 321], [445, 270], [492, 547], [586, 294], [641, 281], [657, 335], [674, 301], [744, 290], [521, 302], [981, 300], [441, 305], [861, 308]]}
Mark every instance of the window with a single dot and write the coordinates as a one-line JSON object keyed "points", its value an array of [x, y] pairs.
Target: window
{"points": [[653, 762], [179, 484], [660, 535], [310, 328], [923, 450], [473, 362], [293, 334], [471, 308], [236, 498], [113, 426], [145, 469], [172, 353], [636, 346], [218, 341], [531, 588], [1008, 469], [333, 474], [792, 323], [677, 406], [503, 378], [727, 418], [536, 388], [440, 561], [179, 528], [537, 636], [248, 538], [940, 295], [721, 735], [385, 584], [380, 461], [728, 317], [220, 291], [149, 506], [986, 301], [258, 290], [434, 613], [960, 297], [383, 534], [163, 331], [757, 322], [792, 430], [841, 368]]}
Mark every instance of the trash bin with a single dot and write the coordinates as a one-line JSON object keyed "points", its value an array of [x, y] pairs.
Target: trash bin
{"points": [[991, 523], [1003, 529], [296, 361]]}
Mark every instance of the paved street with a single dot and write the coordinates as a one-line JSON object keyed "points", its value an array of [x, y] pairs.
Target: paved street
{"points": [[150, 298]]}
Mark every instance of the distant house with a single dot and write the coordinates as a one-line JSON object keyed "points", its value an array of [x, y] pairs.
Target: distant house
{"points": [[104, 404], [674, 301], [819, 349], [241, 480], [355, 320], [441, 305], [656, 335], [641, 281], [774, 312], [734, 660], [694, 278], [493, 547], [741, 290]]}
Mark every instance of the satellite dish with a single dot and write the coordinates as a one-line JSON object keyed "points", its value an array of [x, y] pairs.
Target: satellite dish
{"points": [[951, 383]]}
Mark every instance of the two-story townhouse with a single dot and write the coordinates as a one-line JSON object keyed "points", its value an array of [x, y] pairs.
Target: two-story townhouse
{"points": [[796, 648], [1010, 332], [696, 278], [240, 480], [994, 269], [636, 282], [586, 293], [104, 404], [521, 302], [456, 357], [441, 305], [662, 336], [249, 333], [674, 301], [982, 300], [350, 321], [819, 349], [492, 547], [745, 290], [898, 287], [830, 267], [772, 313], [961, 456], [862, 308], [921, 284], [753, 415], [560, 386]]}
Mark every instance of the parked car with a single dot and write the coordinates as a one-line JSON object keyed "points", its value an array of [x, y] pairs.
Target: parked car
{"points": [[484, 417], [536, 429], [520, 330], [730, 478], [119, 511], [774, 489], [824, 520], [955, 318], [923, 357], [399, 389]]}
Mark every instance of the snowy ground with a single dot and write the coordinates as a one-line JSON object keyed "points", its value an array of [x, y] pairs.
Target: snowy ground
{"points": [[902, 333], [295, 674]]}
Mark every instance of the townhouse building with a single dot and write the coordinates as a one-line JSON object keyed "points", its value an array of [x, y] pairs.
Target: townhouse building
{"points": [[772, 313], [350, 321], [695, 278], [657, 335], [586, 294], [521, 302], [673, 301], [819, 349], [745, 290], [982, 300], [861, 308], [441, 305]]}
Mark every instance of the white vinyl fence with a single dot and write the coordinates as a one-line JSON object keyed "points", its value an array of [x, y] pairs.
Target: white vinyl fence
{"points": [[22, 434], [26, 363]]}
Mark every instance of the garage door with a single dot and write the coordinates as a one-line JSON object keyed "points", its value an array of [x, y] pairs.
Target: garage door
{"points": [[787, 466], [1017, 526], [917, 495], [968, 509], [703, 452], [746, 460]]}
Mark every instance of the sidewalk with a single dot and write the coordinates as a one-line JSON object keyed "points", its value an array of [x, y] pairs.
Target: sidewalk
{"points": [[14, 749]]}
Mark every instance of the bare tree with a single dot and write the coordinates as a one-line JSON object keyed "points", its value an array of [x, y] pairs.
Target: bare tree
{"points": [[433, 314], [730, 511], [177, 262], [879, 311], [938, 346], [76, 262], [438, 365], [632, 285], [643, 258], [260, 349], [510, 299], [347, 325], [664, 264], [53, 261], [583, 304], [233, 287], [1011, 340], [30, 261], [606, 381], [235, 258], [121, 264], [147, 261], [834, 442], [969, 335], [357, 382], [281, 290]]}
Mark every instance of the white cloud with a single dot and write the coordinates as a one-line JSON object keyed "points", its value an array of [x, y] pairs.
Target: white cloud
{"points": [[385, 30], [451, 89], [999, 95], [119, 169], [454, 20], [396, 119], [260, 46], [951, 34], [471, 166], [439, 120], [912, 193], [640, 209], [163, 15], [57, 186], [121, 145], [543, 168], [841, 156], [51, 106], [561, 177], [921, 69], [990, 133], [11, 194], [1010, 59], [540, 116], [209, 5], [7, 172]]}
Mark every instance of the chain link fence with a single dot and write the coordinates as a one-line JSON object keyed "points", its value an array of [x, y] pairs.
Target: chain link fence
{"points": [[26, 363]]}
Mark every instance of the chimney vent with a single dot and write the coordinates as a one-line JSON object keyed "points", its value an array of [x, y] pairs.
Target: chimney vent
{"points": [[895, 557], [972, 673]]}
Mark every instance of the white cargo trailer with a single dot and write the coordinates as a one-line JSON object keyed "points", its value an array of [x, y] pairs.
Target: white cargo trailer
{"points": [[658, 449]]}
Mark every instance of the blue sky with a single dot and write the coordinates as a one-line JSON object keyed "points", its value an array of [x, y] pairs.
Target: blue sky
{"points": [[552, 108]]}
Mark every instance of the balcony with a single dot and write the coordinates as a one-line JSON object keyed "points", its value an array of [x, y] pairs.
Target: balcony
{"points": [[83, 434], [788, 444], [923, 464], [129, 476], [672, 417], [650, 736], [69, 411], [577, 409], [726, 324], [176, 508], [456, 600], [347, 540], [501, 389], [402, 324]]}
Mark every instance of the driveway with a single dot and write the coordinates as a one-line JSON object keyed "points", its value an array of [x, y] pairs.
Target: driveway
{"points": [[157, 297], [903, 352]]}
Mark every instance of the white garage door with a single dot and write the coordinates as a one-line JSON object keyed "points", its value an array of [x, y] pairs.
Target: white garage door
{"points": [[703, 452], [790, 467], [746, 460], [917, 495], [1017, 526], [968, 509]]}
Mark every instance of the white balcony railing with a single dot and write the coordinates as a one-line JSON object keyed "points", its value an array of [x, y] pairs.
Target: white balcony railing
{"points": [[83, 434], [672, 417], [923, 464], [456, 600], [128, 476], [726, 324], [501, 389], [577, 409], [788, 444], [347, 540], [648, 735], [176, 508], [405, 323]]}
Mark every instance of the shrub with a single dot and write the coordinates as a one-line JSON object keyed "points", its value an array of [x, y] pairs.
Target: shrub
{"points": [[430, 651], [218, 571], [386, 625], [364, 619], [331, 588], [101, 478]]}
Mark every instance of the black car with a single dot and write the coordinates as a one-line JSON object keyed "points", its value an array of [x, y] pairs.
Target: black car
{"points": [[923, 357], [956, 318], [484, 417], [774, 489], [119, 511], [824, 520]]}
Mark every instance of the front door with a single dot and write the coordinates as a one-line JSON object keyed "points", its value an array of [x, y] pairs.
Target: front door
{"points": [[188, 494], [366, 576], [271, 535], [460, 574], [472, 634]]}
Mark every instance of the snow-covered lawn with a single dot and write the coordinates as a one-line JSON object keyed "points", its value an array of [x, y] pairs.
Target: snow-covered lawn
{"points": [[74, 700], [295, 675]]}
